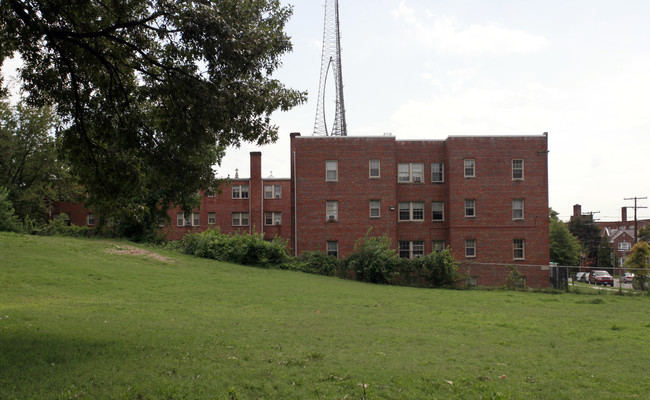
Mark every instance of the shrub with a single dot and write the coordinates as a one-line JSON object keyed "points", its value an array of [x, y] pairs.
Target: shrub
{"points": [[317, 262], [439, 268], [243, 248], [59, 227], [373, 259], [9, 222]]}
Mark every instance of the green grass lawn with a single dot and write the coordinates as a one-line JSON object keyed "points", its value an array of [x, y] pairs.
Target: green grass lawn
{"points": [[79, 319]]}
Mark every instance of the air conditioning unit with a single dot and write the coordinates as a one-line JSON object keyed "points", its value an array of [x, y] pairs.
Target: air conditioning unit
{"points": [[277, 222], [331, 217], [417, 179]]}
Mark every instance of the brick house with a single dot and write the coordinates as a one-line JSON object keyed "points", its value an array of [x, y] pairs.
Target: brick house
{"points": [[484, 197], [621, 234]]}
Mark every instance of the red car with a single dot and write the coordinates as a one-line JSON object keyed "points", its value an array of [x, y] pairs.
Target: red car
{"points": [[601, 278]]}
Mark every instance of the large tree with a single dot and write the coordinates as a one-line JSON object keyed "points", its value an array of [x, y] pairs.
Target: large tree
{"points": [[564, 247], [29, 167], [588, 233], [151, 92]]}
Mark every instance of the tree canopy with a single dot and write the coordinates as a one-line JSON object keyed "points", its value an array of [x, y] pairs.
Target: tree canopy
{"points": [[564, 247], [587, 233], [150, 93]]}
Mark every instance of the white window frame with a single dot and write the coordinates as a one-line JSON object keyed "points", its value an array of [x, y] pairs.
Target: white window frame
{"points": [[372, 168], [273, 191], [331, 171], [408, 172], [442, 210], [196, 219], [518, 209], [412, 207], [518, 246], [240, 192], [183, 220], [375, 206], [238, 219], [470, 248], [517, 170], [90, 219], [212, 218], [272, 218], [470, 204], [624, 246], [332, 248], [441, 172], [332, 210], [410, 249], [469, 168], [210, 193]]}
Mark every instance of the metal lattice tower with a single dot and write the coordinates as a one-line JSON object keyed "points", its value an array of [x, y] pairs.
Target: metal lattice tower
{"points": [[331, 61]]}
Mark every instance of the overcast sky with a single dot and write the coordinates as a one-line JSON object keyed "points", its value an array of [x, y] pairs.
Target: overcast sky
{"points": [[429, 69]]}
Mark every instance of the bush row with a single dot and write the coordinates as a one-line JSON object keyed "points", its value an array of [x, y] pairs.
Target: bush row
{"points": [[373, 260]]}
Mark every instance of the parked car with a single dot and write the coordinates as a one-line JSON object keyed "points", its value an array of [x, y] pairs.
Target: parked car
{"points": [[579, 277], [601, 278], [627, 277], [585, 278]]}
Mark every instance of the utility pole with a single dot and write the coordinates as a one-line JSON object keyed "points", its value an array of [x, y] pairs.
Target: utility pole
{"points": [[636, 224]]}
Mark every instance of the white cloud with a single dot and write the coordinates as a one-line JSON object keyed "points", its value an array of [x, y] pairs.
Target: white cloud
{"points": [[446, 35]]}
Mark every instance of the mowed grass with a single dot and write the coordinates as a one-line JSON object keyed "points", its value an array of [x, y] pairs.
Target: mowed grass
{"points": [[81, 320]]}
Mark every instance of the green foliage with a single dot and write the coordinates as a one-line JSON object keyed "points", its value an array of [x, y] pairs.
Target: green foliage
{"points": [[564, 247], [61, 227], [515, 280], [437, 269], [644, 234], [373, 259], [8, 220], [639, 260], [587, 233], [606, 255], [317, 262], [29, 167], [243, 249], [151, 93]]}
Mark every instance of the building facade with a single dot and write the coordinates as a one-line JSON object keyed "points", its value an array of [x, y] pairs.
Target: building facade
{"points": [[486, 198]]}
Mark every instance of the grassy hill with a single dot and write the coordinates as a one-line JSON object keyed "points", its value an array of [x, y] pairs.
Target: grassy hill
{"points": [[96, 319]]}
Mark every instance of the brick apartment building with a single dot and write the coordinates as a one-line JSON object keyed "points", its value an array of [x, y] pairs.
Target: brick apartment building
{"points": [[485, 197]]}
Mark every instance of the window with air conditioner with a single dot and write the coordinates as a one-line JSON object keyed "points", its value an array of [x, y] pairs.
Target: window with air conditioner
{"points": [[273, 218], [410, 172], [332, 210]]}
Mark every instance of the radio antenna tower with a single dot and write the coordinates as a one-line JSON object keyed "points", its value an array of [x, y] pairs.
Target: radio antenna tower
{"points": [[331, 61]]}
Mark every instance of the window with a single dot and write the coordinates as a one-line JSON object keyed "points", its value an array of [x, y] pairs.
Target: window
{"points": [[410, 172], [375, 208], [518, 249], [331, 171], [374, 169], [517, 169], [90, 219], [211, 193], [411, 211], [212, 218], [413, 249], [332, 210], [470, 248], [624, 246], [438, 245], [438, 211], [470, 169], [437, 172], [470, 208], [183, 220], [240, 192], [240, 219], [333, 248], [517, 209], [196, 221], [272, 191], [273, 218]]}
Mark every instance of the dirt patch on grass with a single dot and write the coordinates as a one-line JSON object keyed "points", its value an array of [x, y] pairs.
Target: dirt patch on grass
{"points": [[133, 251]]}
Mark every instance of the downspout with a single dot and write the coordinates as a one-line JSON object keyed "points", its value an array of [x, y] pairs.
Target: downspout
{"points": [[295, 208], [250, 205], [262, 206]]}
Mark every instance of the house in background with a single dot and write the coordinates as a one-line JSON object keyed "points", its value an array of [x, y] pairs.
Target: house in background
{"points": [[621, 234], [484, 197]]}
